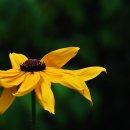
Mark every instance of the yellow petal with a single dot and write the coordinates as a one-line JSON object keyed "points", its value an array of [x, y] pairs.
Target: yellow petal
{"points": [[86, 93], [70, 80], [12, 79], [60, 57], [41, 101], [89, 72], [74, 82], [39, 94], [17, 60], [9, 73], [30, 82], [54, 74], [6, 99], [61, 76], [45, 95]]}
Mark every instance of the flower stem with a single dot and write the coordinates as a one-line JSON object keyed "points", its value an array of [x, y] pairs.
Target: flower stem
{"points": [[33, 111]]}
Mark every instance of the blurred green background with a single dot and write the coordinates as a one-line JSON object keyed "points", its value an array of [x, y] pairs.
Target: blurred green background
{"points": [[101, 28]]}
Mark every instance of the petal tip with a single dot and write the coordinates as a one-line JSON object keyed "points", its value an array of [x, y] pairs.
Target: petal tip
{"points": [[11, 53], [77, 48], [49, 110], [17, 94], [105, 70], [91, 102], [74, 48]]}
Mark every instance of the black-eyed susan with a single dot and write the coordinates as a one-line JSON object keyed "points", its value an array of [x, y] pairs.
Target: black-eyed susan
{"points": [[27, 75]]}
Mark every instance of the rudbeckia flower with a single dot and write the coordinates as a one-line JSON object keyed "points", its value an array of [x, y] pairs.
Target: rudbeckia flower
{"points": [[27, 75]]}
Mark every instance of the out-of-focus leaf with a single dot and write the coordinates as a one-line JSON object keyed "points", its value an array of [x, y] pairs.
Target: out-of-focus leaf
{"points": [[74, 9], [87, 45], [109, 39], [110, 7]]}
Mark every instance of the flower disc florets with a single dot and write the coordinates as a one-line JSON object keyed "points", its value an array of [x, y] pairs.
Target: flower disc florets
{"points": [[32, 65]]}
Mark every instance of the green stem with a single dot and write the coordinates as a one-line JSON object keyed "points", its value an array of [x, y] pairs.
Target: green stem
{"points": [[33, 111]]}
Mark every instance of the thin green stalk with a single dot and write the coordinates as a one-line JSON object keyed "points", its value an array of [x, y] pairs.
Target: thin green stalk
{"points": [[33, 111]]}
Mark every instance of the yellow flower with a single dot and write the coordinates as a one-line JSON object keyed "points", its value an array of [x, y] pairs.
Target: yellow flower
{"points": [[27, 75]]}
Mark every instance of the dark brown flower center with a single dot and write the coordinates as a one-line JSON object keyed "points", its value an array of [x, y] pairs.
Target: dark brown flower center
{"points": [[32, 65]]}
